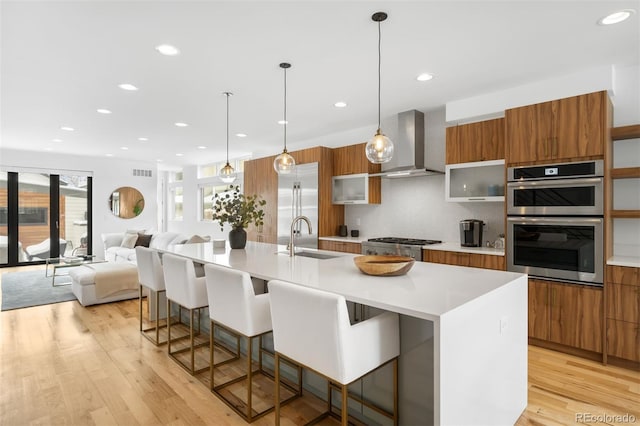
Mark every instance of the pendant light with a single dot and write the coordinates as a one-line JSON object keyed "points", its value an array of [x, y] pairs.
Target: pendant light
{"points": [[379, 149], [284, 163], [227, 174]]}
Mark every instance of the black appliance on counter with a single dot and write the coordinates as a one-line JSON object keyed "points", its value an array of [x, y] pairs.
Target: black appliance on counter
{"points": [[396, 246], [555, 221], [471, 233]]}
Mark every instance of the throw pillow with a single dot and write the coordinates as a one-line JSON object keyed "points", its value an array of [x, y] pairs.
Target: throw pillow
{"points": [[129, 240], [143, 240], [198, 239]]}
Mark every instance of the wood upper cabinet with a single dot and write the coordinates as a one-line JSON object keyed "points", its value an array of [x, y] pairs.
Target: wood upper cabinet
{"points": [[486, 261], [623, 312], [260, 178], [481, 141], [564, 129], [351, 159], [567, 314]]}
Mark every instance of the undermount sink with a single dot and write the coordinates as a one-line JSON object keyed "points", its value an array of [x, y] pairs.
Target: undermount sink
{"points": [[313, 254]]}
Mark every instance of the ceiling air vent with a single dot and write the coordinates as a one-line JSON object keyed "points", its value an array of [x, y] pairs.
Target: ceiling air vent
{"points": [[143, 173]]}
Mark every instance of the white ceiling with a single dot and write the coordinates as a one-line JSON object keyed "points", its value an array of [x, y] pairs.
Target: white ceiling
{"points": [[63, 60]]}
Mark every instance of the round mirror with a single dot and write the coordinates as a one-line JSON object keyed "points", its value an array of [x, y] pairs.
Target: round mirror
{"points": [[126, 202]]}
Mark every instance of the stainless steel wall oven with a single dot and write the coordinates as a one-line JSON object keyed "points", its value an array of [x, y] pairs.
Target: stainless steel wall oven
{"points": [[555, 221]]}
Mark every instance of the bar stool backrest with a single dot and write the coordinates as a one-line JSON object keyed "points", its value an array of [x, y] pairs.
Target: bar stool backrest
{"points": [[150, 273], [233, 302], [181, 283]]}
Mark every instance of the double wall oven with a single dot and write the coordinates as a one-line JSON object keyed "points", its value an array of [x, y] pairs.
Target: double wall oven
{"points": [[555, 221]]}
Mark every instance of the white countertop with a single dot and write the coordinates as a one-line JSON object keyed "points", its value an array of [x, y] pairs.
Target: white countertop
{"points": [[427, 291], [451, 246], [445, 246], [631, 261]]}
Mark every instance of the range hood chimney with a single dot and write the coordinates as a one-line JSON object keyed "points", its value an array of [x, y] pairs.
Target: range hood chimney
{"points": [[408, 155]]}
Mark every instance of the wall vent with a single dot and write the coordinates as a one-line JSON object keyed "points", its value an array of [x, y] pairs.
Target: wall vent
{"points": [[143, 173]]}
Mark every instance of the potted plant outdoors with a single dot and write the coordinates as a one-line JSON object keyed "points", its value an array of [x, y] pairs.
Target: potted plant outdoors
{"points": [[239, 211]]}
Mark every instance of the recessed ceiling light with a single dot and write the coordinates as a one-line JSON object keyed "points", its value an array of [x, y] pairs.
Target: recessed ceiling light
{"points": [[56, 140], [202, 147], [109, 155], [179, 154], [283, 122], [616, 17], [103, 111], [340, 104], [124, 148], [127, 86], [67, 128], [143, 139], [167, 49], [424, 77], [241, 135], [179, 124]]}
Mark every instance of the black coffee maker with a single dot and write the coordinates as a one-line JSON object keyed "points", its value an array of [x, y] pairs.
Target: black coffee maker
{"points": [[471, 233]]}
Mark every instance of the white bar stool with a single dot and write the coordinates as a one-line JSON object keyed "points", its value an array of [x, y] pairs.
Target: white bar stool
{"points": [[235, 308], [312, 327], [188, 291], [151, 276]]}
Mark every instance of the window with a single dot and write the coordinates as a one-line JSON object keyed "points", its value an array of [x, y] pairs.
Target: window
{"points": [[207, 193], [210, 170], [175, 176], [27, 216], [176, 203]]}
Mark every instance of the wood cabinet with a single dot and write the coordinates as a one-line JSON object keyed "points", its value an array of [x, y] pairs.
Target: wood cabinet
{"points": [[623, 312], [343, 246], [564, 129], [473, 142], [260, 178], [486, 261], [566, 314], [351, 160]]}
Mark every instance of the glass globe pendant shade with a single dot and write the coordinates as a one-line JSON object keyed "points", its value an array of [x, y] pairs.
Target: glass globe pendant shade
{"points": [[284, 163], [227, 174], [379, 148]]}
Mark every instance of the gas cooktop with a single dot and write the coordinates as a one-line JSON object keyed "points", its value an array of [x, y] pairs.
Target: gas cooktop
{"points": [[408, 241]]}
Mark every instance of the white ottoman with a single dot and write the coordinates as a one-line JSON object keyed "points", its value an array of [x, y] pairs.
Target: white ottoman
{"points": [[84, 288]]}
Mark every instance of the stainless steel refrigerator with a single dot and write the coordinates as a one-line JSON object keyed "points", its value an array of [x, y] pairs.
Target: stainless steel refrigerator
{"points": [[298, 195]]}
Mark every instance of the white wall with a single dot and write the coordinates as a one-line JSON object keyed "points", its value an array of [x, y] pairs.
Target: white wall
{"points": [[108, 174]]}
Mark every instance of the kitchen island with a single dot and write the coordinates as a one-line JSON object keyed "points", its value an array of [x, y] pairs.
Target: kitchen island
{"points": [[463, 330]]}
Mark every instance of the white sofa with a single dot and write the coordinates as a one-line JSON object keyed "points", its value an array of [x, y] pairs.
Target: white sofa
{"points": [[113, 252]]}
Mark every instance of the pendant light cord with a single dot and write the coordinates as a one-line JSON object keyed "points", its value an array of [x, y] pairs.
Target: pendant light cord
{"points": [[227, 93], [285, 109], [379, 66]]}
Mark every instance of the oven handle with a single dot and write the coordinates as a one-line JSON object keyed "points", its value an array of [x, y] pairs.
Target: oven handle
{"points": [[554, 183], [555, 220]]}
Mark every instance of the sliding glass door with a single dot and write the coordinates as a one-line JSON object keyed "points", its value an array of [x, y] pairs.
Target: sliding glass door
{"points": [[43, 215]]}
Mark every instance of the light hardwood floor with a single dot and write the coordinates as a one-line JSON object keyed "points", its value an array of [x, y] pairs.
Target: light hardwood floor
{"points": [[65, 364]]}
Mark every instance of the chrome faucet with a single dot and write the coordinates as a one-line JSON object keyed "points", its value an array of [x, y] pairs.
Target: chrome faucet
{"points": [[292, 249]]}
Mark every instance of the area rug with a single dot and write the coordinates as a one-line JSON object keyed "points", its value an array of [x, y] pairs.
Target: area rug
{"points": [[31, 288]]}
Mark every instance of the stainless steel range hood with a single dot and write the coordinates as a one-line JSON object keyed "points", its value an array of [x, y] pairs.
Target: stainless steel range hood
{"points": [[408, 149]]}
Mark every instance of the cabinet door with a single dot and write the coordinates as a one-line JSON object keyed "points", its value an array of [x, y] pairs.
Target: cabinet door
{"points": [[623, 303], [464, 144], [576, 316], [527, 133], [492, 139], [579, 126], [260, 178], [538, 309], [623, 339], [487, 261]]}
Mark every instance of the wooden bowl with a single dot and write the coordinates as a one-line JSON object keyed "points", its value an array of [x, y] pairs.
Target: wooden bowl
{"points": [[386, 265]]}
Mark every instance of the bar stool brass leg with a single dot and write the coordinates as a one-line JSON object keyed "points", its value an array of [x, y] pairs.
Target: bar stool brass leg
{"points": [[277, 380], [168, 326], [211, 346], [345, 406], [191, 340], [140, 300], [249, 376], [395, 392]]}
